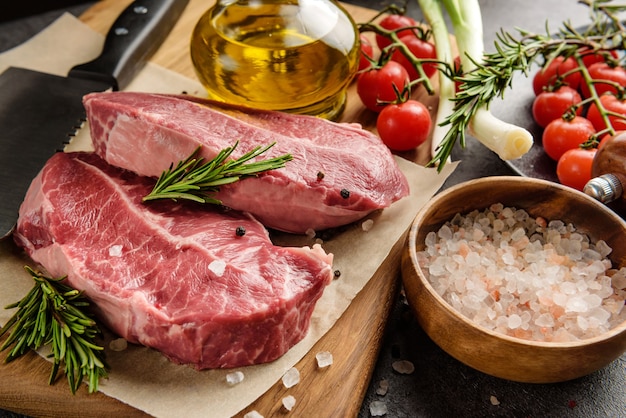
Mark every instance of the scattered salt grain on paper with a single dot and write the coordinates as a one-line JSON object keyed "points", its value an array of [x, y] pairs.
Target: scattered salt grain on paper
{"points": [[291, 377], [289, 402], [253, 414], [118, 344], [494, 401], [383, 387], [324, 359], [367, 225], [234, 378], [403, 366], [378, 408]]}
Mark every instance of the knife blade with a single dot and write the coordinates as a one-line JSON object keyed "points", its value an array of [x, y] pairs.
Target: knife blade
{"points": [[40, 112]]}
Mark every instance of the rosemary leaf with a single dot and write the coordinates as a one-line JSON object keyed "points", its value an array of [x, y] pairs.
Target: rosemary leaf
{"points": [[50, 314], [196, 180]]}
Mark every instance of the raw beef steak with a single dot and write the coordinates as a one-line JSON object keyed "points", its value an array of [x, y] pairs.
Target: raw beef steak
{"points": [[340, 172], [174, 277]]}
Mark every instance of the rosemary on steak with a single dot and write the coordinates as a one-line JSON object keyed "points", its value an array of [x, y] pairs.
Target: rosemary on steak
{"points": [[194, 179], [52, 313]]}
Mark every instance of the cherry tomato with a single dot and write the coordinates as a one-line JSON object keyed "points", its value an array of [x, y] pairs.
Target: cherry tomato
{"points": [[394, 22], [404, 126], [610, 103], [603, 71], [377, 84], [574, 167], [547, 76], [367, 50], [422, 50], [550, 105], [561, 135], [590, 58]]}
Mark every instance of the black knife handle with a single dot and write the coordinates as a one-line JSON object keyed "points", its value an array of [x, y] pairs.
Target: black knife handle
{"points": [[135, 35]]}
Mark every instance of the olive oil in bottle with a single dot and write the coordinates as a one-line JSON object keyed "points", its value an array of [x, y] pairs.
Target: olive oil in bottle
{"points": [[296, 56]]}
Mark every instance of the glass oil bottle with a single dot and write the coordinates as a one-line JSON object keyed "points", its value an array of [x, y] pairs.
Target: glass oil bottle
{"points": [[295, 56]]}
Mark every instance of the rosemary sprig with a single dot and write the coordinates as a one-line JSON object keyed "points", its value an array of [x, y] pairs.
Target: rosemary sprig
{"points": [[494, 75], [52, 314], [194, 179]]}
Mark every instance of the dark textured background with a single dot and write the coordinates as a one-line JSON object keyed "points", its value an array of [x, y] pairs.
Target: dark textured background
{"points": [[440, 386]]}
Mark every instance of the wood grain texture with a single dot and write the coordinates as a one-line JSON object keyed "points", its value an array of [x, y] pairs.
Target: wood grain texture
{"points": [[354, 341]]}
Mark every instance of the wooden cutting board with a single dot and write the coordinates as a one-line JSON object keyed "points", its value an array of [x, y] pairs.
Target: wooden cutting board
{"points": [[354, 340]]}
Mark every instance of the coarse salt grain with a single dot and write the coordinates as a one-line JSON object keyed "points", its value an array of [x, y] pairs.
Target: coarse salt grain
{"points": [[291, 377], [367, 225], [403, 366], [218, 267], [118, 344], [324, 359], [234, 378], [115, 250], [383, 387], [289, 402], [378, 408], [494, 401], [253, 414], [525, 277]]}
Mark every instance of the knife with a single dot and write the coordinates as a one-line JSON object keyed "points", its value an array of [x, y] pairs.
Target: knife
{"points": [[40, 112]]}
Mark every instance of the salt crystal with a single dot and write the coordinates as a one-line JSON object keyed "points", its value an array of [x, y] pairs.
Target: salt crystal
{"points": [[291, 377], [367, 225], [619, 280], [118, 344], [494, 401], [289, 402], [383, 387], [310, 233], [252, 414], [514, 321], [576, 304], [115, 250], [544, 320], [403, 366], [218, 267], [234, 378], [378, 408], [324, 359]]}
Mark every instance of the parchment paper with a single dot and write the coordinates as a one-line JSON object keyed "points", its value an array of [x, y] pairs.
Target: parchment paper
{"points": [[142, 377]]}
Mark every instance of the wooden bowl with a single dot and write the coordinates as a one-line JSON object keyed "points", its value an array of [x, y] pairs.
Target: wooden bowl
{"points": [[488, 351]]}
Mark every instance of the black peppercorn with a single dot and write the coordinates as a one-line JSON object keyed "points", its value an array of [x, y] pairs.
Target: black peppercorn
{"points": [[345, 193], [240, 231]]}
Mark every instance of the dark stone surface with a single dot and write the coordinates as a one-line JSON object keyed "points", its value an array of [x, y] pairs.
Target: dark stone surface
{"points": [[441, 386]]}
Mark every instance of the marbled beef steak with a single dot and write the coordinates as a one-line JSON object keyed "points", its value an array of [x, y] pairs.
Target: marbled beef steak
{"points": [[178, 278], [145, 133]]}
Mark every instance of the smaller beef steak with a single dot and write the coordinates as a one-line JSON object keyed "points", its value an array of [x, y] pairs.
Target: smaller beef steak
{"points": [[179, 278], [339, 173]]}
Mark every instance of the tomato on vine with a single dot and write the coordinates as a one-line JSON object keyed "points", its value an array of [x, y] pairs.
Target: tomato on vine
{"points": [[404, 126], [549, 75], [367, 50], [551, 105], [422, 49], [606, 79], [395, 22], [574, 167], [562, 135], [375, 87], [616, 116]]}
